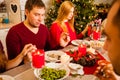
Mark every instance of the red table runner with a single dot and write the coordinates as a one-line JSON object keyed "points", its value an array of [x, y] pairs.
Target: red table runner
{"points": [[91, 69]]}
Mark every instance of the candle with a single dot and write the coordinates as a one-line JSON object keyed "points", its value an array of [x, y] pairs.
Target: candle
{"points": [[82, 50], [96, 35], [38, 59]]}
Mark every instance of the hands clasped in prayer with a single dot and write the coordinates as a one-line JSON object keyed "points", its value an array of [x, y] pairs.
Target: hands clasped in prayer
{"points": [[64, 39]]}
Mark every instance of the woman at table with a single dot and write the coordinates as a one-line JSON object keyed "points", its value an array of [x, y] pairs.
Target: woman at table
{"points": [[6, 64], [62, 29]]}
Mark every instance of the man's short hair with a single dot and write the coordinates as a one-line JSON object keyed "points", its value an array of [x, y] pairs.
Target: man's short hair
{"points": [[34, 3]]}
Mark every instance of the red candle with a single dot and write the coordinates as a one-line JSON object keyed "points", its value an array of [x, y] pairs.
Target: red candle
{"points": [[38, 60], [96, 35], [82, 49]]}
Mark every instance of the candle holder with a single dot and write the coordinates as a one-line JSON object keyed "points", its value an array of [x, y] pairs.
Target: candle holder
{"points": [[38, 60]]}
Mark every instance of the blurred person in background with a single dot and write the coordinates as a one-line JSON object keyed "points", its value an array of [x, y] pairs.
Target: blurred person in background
{"points": [[111, 71]]}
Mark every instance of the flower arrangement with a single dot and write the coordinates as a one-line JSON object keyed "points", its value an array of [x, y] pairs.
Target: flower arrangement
{"points": [[88, 59]]}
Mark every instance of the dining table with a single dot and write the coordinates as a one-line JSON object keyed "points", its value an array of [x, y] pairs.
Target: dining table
{"points": [[26, 72]]}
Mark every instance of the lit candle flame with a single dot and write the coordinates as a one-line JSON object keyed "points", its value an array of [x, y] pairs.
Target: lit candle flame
{"points": [[38, 52]]}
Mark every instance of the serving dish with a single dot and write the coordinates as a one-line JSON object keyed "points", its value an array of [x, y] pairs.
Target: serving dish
{"points": [[56, 66], [53, 56], [76, 42]]}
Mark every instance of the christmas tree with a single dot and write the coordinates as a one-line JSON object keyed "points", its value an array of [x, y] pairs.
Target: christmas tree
{"points": [[85, 12]]}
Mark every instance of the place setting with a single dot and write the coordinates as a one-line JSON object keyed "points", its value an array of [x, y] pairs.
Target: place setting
{"points": [[51, 68], [81, 62]]}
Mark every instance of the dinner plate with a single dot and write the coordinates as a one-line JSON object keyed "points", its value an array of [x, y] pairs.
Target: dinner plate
{"points": [[6, 77], [76, 42], [53, 56], [53, 65]]}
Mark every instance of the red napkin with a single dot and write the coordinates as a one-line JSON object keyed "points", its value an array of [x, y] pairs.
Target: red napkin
{"points": [[91, 69]]}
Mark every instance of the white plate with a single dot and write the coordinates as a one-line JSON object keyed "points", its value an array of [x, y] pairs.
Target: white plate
{"points": [[54, 66], [76, 68], [7, 77], [76, 42], [92, 50], [53, 56]]}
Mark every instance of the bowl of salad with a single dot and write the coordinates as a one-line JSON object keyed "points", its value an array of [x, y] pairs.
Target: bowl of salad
{"points": [[52, 71]]}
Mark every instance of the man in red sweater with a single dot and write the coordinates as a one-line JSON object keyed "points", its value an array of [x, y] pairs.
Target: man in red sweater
{"points": [[29, 31]]}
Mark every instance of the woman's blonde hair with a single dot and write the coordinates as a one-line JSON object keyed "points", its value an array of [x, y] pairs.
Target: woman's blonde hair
{"points": [[63, 13]]}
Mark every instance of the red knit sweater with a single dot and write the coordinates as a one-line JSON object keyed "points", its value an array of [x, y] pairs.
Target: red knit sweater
{"points": [[19, 35], [55, 32]]}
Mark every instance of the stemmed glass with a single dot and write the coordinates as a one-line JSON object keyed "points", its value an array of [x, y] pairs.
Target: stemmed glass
{"points": [[96, 32]]}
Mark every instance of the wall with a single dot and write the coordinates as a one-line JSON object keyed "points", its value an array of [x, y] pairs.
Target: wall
{"points": [[13, 10], [48, 3], [19, 15]]}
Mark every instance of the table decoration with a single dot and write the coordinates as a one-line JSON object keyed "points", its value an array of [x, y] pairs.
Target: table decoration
{"points": [[38, 59], [91, 69], [88, 61], [77, 54], [82, 49]]}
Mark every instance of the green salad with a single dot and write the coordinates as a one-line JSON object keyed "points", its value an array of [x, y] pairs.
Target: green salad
{"points": [[52, 74]]}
